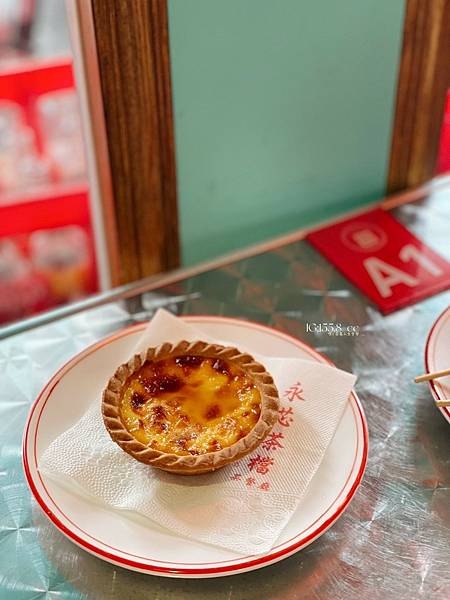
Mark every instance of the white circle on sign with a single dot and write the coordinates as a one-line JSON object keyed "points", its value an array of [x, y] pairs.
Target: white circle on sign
{"points": [[363, 237]]}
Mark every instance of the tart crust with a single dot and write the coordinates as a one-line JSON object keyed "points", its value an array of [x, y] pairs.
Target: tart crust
{"points": [[189, 464]]}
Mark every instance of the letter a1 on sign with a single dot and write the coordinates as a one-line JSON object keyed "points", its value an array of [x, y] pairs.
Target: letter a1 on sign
{"points": [[383, 259]]}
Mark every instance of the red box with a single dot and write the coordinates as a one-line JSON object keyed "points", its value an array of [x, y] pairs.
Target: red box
{"points": [[36, 271]]}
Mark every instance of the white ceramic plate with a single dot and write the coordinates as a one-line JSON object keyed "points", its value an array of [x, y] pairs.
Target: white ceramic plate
{"points": [[437, 358], [135, 543]]}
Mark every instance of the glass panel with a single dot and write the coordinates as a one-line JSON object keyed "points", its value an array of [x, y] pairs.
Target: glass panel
{"points": [[47, 253]]}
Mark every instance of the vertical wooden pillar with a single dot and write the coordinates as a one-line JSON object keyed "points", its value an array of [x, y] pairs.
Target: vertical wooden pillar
{"points": [[424, 79], [134, 66]]}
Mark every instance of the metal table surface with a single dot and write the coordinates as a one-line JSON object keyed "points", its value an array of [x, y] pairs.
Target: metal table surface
{"points": [[394, 539]]}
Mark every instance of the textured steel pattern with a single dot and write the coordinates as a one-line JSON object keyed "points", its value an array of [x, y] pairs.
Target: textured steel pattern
{"points": [[394, 539]]}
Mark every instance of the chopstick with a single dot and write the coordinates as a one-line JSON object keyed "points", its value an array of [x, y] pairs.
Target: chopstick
{"points": [[435, 375], [442, 402], [430, 376]]}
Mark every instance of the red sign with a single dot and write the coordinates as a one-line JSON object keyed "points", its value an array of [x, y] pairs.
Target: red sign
{"points": [[383, 259]]}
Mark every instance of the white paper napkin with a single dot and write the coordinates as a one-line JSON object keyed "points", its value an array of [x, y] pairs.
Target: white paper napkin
{"points": [[242, 507]]}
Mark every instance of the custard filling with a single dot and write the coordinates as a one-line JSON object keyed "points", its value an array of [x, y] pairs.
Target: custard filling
{"points": [[190, 404]]}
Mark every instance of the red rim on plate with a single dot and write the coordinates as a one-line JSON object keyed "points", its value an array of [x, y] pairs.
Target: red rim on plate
{"points": [[197, 569], [430, 349]]}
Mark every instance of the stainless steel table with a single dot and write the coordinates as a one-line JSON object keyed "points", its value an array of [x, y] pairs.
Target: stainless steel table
{"points": [[394, 539]]}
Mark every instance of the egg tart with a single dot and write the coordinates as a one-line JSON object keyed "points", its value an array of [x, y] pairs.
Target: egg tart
{"points": [[190, 408]]}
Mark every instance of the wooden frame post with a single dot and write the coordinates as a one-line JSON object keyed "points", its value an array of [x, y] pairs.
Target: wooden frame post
{"points": [[134, 68], [423, 82]]}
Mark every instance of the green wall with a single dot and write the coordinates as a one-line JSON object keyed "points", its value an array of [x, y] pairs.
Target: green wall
{"points": [[283, 112]]}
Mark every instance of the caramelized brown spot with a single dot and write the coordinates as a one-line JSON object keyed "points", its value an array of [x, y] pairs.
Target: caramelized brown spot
{"points": [[213, 412], [189, 361], [194, 452], [137, 400], [181, 443], [162, 384], [221, 366], [215, 445], [159, 414]]}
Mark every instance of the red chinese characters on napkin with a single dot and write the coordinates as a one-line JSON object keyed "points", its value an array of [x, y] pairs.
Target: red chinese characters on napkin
{"points": [[383, 259], [260, 463]]}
